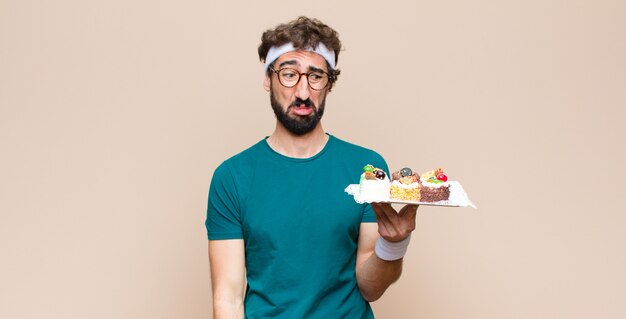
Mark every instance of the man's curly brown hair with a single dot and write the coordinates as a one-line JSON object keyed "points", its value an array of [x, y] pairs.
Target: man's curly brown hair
{"points": [[303, 33]]}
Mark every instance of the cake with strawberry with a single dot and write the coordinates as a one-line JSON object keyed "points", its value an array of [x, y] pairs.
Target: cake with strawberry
{"points": [[374, 184], [434, 186]]}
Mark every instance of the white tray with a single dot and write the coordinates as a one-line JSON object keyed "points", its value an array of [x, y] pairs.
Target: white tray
{"points": [[458, 197]]}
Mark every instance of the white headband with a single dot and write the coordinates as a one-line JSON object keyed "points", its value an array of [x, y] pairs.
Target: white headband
{"points": [[321, 49]]}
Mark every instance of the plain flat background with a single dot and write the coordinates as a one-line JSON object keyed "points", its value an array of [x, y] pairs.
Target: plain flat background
{"points": [[114, 114]]}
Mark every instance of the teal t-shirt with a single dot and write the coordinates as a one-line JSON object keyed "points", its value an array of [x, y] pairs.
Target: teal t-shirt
{"points": [[300, 228]]}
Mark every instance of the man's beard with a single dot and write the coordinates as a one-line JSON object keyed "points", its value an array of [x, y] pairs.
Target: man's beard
{"points": [[298, 125]]}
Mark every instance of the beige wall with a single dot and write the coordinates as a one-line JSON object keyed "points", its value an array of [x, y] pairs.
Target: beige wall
{"points": [[113, 115]]}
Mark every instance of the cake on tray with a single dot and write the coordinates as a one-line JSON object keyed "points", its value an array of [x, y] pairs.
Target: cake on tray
{"points": [[434, 186], [374, 184], [405, 185]]}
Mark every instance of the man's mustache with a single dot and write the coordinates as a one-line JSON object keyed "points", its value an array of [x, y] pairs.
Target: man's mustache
{"points": [[298, 102]]}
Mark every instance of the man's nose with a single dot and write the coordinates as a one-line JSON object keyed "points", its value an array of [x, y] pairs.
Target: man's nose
{"points": [[302, 88]]}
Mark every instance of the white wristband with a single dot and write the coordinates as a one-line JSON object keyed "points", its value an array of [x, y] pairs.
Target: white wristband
{"points": [[389, 251]]}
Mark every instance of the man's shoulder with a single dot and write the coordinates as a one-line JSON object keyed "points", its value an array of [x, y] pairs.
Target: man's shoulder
{"points": [[245, 158], [357, 155], [353, 148], [249, 153]]}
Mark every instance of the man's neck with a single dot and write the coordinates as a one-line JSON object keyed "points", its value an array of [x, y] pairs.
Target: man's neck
{"points": [[297, 146]]}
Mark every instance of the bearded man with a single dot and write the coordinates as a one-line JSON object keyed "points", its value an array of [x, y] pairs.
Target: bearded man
{"points": [[279, 223]]}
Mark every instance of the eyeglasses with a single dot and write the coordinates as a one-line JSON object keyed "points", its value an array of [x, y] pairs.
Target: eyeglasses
{"points": [[289, 78]]}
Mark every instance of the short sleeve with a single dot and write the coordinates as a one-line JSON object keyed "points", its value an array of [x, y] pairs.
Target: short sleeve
{"points": [[368, 212], [223, 211]]}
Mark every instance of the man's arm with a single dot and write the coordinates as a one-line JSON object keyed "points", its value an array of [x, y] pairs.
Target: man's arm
{"points": [[375, 275], [227, 260]]}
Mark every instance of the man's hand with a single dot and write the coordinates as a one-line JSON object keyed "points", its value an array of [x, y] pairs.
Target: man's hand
{"points": [[395, 226]]}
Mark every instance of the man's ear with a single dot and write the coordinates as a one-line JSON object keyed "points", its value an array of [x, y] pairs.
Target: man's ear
{"points": [[266, 83]]}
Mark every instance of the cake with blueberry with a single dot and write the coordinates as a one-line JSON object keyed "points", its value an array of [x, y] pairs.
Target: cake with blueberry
{"points": [[405, 185], [374, 184], [431, 186]]}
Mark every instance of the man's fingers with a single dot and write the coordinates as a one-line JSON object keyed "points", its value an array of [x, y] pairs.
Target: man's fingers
{"points": [[408, 215], [385, 226], [409, 210], [380, 209], [394, 225], [388, 211]]}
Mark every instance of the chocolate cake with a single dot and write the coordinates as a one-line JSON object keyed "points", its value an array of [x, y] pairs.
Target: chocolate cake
{"points": [[434, 186], [434, 194]]}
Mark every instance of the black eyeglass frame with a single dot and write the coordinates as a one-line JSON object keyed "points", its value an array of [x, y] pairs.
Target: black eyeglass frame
{"points": [[300, 74]]}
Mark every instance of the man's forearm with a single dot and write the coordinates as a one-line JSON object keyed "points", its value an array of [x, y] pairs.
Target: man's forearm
{"points": [[227, 278], [375, 275], [230, 309]]}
